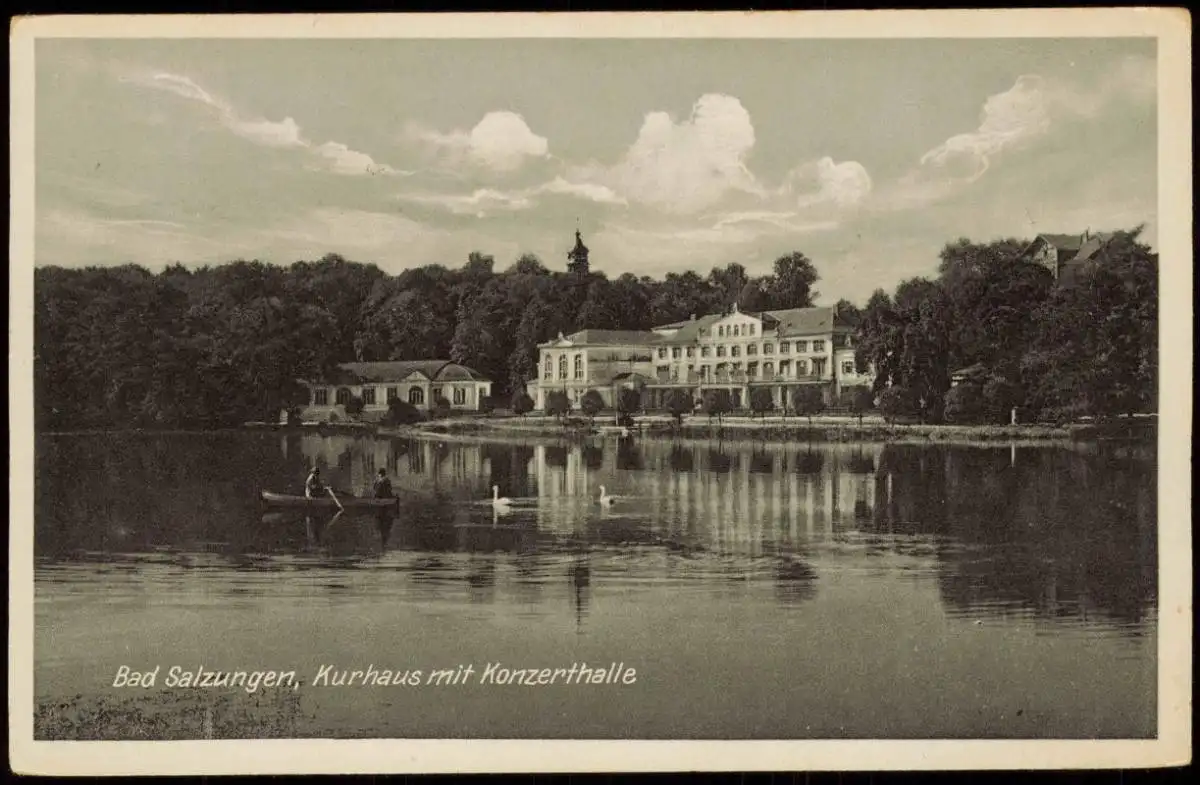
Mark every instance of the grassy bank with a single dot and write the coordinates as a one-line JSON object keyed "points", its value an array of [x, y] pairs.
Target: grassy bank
{"points": [[171, 715]]}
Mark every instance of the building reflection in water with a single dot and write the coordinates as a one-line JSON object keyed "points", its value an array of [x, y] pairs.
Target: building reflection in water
{"points": [[1046, 532]]}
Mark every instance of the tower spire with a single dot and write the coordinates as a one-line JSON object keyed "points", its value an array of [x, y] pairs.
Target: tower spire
{"points": [[577, 257]]}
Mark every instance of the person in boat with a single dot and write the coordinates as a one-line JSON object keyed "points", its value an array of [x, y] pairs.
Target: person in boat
{"points": [[313, 487], [382, 486]]}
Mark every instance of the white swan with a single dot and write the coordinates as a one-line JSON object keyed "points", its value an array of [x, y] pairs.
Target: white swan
{"points": [[498, 501], [605, 499]]}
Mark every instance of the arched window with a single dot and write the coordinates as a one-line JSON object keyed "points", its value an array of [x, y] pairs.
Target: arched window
{"points": [[343, 396], [548, 368], [416, 396], [579, 366], [562, 367]]}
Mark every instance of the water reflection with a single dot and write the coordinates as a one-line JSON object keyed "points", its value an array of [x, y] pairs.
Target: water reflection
{"points": [[1062, 535]]}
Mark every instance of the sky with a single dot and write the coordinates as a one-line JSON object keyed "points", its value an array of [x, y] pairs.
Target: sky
{"points": [[668, 155]]}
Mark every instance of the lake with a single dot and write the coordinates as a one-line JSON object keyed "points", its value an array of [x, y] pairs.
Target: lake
{"points": [[754, 591]]}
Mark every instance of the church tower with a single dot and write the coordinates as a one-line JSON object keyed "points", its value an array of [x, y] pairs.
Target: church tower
{"points": [[577, 257]]}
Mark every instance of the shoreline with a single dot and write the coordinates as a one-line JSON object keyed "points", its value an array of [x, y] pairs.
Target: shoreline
{"points": [[784, 430], [769, 429]]}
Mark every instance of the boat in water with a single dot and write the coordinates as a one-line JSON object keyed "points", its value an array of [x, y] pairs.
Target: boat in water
{"points": [[326, 503]]}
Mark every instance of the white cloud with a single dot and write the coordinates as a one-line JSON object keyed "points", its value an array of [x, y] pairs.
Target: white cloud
{"points": [[594, 192], [501, 141], [1008, 119], [1016, 118], [690, 165], [479, 203], [483, 201], [842, 184], [284, 133]]}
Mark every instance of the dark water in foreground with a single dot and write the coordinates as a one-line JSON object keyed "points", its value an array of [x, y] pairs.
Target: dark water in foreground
{"points": [[759, 591]]}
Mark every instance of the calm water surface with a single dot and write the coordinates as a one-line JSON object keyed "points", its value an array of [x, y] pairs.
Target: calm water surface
{"points": [[759, 590]]}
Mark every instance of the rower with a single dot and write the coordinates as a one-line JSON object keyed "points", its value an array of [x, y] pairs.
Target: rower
{"points": [[382, 486], [313, 487]]}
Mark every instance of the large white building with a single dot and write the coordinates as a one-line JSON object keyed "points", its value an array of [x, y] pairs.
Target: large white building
{"points": [[778, 350]]}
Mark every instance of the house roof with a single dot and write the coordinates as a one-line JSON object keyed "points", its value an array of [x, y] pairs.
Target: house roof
{"points": [[1075, 247], [614, 337], [394, 371], [788, 322]]}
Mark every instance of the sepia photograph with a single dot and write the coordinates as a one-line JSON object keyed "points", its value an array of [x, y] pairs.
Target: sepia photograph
{"points": [[771, 380]]}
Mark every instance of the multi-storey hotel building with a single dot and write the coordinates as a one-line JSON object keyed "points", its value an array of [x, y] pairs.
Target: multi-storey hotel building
{"points": [[778, 350]]}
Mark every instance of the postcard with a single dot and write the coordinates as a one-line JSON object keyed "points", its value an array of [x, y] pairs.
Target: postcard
{"points": [[600, 392]]}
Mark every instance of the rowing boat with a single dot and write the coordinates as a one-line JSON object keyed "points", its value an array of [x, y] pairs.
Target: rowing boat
{"points": [[325, 503]]}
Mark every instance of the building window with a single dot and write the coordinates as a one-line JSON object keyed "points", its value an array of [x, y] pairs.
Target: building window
{"points": [[416, 396], [735, 351], [848, 367], [691, 352], [751, 369], [785, 348], [460, 396], [751, 349], [785, 367], [720, 351], [676, 353], [736, 332], [818, 346], [750, 329], [735, 367], [705, 351], [579, 366], [818, 367], [704, 371], [768, 348], [662, 354], [768, 370], [802, 367], [321, 396], [368, 396], [562, 366], [392, 394], [343, 396], [720, 332], [548, 369], [801, 346]]}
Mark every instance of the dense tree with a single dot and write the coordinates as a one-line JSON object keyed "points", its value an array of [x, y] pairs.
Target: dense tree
{"points": [[808, 400], [591, 404], [862, 402], [761, 400], [964, 403], [717, 403], [896, 402], [1095, 344], [679, 403], [521, 403], [792, 282], [558, 404]]}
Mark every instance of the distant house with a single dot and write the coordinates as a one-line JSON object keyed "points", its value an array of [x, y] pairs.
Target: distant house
{"points": [[419, 382], [973, 374], [1065, 254]]}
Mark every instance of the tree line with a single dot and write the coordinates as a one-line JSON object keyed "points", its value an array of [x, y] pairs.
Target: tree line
{"points": [[1055, 350], [221, 345]]}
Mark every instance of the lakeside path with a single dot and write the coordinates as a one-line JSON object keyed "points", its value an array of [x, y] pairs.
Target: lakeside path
{"points": [[770, 429]]}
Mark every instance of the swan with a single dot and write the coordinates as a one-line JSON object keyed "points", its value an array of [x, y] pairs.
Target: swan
{"points": [[605, 499], [499, 501]]}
